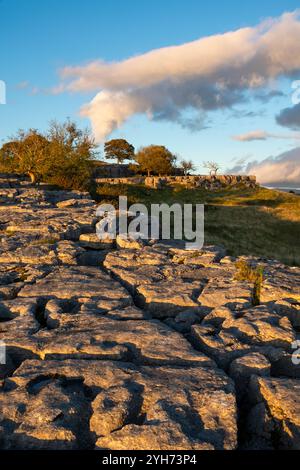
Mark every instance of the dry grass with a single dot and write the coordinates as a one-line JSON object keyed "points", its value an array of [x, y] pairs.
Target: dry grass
{"points": [[259, 222]]}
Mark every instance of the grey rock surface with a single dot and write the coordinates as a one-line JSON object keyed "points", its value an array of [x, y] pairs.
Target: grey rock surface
{"points": [[132, 346]]}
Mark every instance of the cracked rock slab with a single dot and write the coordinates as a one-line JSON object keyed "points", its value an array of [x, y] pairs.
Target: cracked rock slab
{"points": [[253, 330], [78, 282], [47, 405], [160, 281], [89, 335], [274, 421]]}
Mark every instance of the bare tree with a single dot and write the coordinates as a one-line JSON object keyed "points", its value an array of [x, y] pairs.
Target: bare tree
{"points": [[213, 167], [187, 166]]}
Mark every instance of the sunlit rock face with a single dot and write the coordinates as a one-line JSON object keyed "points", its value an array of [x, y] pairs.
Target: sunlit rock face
{"points": [[137, 346], [74, 404]]}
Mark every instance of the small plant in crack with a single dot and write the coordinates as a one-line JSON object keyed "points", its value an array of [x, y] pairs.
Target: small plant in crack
{"points": [[246, 272], [9, 232], [22, 274], [44, 241]]}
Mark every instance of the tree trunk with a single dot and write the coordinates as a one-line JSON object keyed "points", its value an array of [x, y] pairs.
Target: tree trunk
{"points": [[32, 177], [148, 173]]}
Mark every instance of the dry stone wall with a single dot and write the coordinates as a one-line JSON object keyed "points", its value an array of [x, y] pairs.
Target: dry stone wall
{"points": [[192, 181]]}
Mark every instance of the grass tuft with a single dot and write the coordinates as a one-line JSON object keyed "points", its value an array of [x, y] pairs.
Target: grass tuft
{"points": [[245, 272]]}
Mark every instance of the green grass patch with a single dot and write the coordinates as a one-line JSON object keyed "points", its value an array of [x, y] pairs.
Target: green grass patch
{"points": [[258, 222]]}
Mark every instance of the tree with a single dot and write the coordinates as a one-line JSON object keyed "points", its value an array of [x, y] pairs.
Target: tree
{"points": [[119, 149], [187, 166], [7, 157], [71, 153], [27, 154], [62, 156], [213, 167], [155, 159]]}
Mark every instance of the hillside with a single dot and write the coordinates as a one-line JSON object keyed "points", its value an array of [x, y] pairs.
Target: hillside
{"points": [[260, 222]]}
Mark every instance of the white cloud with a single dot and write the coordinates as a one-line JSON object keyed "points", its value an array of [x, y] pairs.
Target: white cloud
{"points": [[204, 75], [283, 169], [263, 135], [252, 135]]}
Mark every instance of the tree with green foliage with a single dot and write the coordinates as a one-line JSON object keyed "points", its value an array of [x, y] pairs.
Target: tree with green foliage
{"points": [[155, 159], [71, 153], [8, 160], [27, 154], [119, 149], [63, 156]]}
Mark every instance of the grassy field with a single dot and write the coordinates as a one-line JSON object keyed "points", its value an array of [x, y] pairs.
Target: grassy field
{"points": [[260, 222]]}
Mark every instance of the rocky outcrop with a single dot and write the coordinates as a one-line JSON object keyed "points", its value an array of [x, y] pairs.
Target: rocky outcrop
{"points": [[132, 346]]}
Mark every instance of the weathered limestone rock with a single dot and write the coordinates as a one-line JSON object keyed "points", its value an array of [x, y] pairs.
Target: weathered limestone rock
{"points": [[91, 240], [128, 242], [288, 364], [34, 254], [281, 283], [168, 298], [68, 252], [243, 368], [75, 203], [156, 276], [10, 291], [170, 314], [291, 309], [274, 421], [184, 320], [18, 319], [72, 404], [92, 336], [255, 330], [217, 316], [114, 407], [258, 326], [228, 293], [14, 276], [40, 252], [207, 257], [78, 282]]}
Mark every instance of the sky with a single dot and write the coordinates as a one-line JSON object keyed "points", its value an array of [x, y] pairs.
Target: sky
{"points": [[209, 80]]}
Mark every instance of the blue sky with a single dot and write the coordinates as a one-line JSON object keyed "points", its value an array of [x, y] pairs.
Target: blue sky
{"points": [[39, 38]]}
